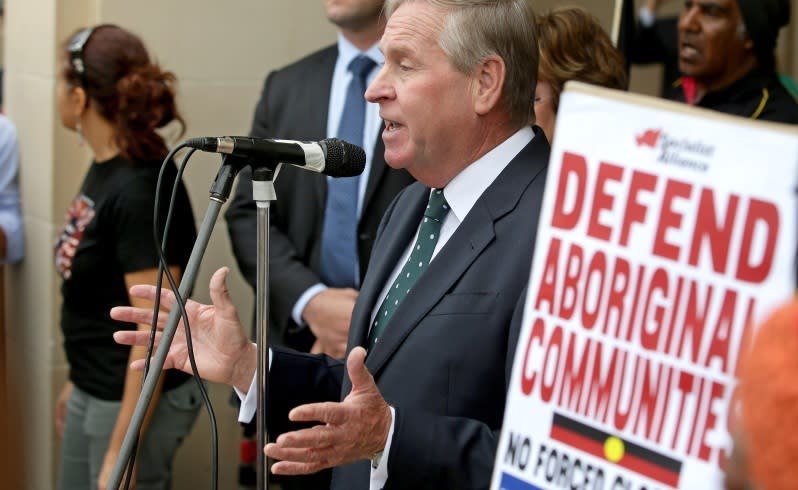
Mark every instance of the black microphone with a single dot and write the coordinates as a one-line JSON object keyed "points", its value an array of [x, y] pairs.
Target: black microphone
{"points": [[332, 156]]}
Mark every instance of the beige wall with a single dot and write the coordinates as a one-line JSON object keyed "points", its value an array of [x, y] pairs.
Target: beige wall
{"points": [[220, 51]]}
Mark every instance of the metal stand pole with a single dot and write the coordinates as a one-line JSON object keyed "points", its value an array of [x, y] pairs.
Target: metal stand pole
{"points": [[263, 194]]}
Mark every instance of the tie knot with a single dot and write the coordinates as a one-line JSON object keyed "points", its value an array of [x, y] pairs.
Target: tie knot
{"points": [[437, 206], [361, 66]]}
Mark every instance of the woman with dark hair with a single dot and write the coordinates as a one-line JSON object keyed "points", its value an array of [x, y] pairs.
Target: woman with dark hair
{"points": [[573, 46], [115, 97]]}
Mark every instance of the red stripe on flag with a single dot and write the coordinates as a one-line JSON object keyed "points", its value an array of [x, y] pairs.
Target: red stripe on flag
{"points": [[578, 441], [650, 470], [630, 462]]}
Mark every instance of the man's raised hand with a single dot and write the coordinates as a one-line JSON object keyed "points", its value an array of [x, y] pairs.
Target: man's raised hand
{"points": [[222, 351]]}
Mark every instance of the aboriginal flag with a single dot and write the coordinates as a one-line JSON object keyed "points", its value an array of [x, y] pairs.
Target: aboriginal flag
{"points": [[615, 450]]}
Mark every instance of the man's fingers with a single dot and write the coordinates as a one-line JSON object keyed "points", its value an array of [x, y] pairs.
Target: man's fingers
{"points": [[292, 468], [135, 337], [147, 291], [301, 454], [137, 315], [137, 365], [325, 412], [352, 293], [319, 436]]}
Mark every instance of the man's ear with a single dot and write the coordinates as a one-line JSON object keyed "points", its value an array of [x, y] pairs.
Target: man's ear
{"points": [[489, 86]]}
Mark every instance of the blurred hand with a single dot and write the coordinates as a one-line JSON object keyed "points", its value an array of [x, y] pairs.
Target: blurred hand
{"points": [[337, 351], [328, 315], [353, 429], [222, 350], [61, 408]]}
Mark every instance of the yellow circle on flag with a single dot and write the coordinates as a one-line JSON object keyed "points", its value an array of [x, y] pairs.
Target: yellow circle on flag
{"points": [[614, 449]]}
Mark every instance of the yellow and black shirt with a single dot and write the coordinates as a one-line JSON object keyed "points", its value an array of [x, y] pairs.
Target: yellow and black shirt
{"points": [[757, 95]]}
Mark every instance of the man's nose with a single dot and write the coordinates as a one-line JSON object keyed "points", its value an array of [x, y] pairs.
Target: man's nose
{"points": [[688, 20], [379, 88]]}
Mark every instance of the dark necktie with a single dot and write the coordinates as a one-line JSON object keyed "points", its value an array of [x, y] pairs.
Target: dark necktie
{"points": [[420, 257], [339, 265]]}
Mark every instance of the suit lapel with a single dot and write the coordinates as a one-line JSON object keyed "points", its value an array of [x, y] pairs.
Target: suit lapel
{"points": [[319, 82], [450, 263]]}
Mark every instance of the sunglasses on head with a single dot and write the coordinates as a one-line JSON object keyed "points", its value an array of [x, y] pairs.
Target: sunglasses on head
{"points": [[75, 50]]}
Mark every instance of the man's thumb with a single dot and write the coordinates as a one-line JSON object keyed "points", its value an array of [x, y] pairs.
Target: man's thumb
{"points": [[356, 367]]}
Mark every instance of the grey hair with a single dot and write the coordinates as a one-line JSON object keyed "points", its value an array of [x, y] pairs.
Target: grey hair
{"points": [[478, 29]]}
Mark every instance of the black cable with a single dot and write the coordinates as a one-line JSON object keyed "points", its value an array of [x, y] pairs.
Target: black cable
{"points": [[163, 269]]}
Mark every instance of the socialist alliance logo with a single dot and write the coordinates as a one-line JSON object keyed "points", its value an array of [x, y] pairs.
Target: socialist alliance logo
{"points": [[691, 154]]}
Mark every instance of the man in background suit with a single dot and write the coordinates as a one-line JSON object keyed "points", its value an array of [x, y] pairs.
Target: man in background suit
{"points": [[439, 309], [305, 101]]}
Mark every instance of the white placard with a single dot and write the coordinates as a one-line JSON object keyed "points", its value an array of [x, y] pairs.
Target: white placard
{"points": [[665, 232]]}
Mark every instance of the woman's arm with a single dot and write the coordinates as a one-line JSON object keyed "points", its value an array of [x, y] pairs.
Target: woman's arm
{"points": [[133, 379]]}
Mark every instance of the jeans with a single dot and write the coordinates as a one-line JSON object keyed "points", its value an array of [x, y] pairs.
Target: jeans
{"points": [[90, 422]]}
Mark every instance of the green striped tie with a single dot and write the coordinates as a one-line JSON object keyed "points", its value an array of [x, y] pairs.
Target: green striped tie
{"points": [[419, 259]]}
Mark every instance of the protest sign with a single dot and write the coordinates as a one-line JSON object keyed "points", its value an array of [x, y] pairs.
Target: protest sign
{"points": [[665, 233]]}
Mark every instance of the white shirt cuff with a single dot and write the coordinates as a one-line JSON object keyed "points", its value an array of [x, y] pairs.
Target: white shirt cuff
{"points": [[302, 302], [249, 400], [379, 476]]}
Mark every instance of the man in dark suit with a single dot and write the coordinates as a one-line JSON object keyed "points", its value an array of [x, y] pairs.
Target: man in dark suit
{"points": [[305, 101], [439, 309]]}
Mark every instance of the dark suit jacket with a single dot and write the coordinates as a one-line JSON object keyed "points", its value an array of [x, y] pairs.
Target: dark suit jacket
{"points": [[444, 359], [294, 105]]}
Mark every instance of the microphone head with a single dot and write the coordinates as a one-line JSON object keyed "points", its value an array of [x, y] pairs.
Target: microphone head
{"points": [[343, 159]]}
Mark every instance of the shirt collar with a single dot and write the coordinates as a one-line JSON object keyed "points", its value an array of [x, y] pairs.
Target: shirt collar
{"points": [[466, 187], [740, 90], [348, 51]]}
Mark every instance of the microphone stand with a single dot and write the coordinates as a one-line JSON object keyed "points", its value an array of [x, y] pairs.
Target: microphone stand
{"points": [[220, 191], [263, 194]]}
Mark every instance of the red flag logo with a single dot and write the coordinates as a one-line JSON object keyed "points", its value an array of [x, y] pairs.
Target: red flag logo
{"points": [[649, 138]]}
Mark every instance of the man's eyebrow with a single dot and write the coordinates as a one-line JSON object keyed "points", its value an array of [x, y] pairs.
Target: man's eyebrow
{"points": [[397, 49]]}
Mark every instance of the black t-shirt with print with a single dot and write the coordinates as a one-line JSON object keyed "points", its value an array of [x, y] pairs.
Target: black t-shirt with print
{"points": [[107, 233]]}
